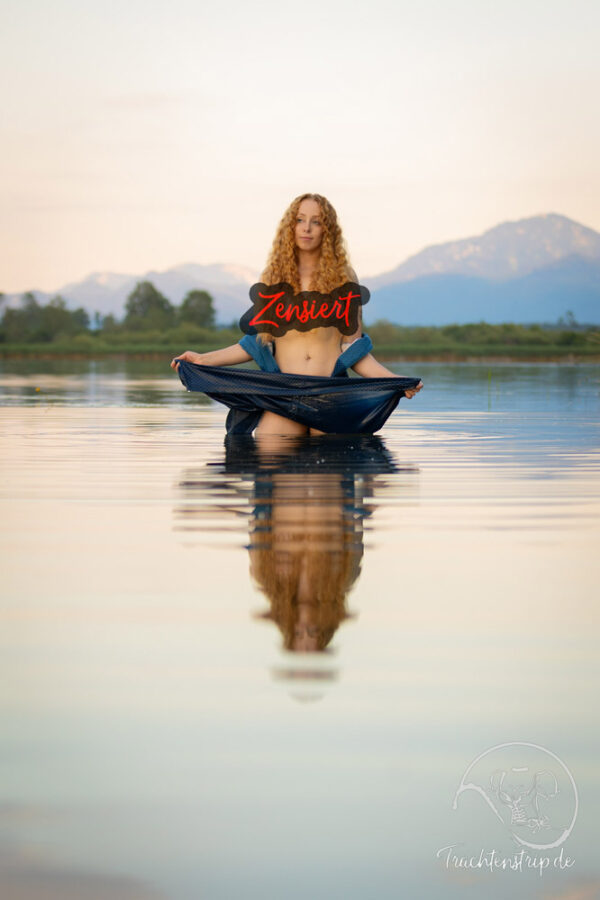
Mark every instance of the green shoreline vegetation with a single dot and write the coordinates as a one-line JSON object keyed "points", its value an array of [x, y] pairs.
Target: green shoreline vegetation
{"points": [[153, 328]]}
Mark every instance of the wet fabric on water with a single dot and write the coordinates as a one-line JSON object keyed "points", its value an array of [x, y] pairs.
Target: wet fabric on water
{"points": [[335, 404]]}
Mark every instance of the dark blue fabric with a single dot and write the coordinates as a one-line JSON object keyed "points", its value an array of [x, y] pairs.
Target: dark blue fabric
{"points": [[334, 404], [262, 354]]}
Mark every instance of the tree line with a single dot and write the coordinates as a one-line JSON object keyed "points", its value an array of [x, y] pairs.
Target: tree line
{"points": [[146, 310], [565, 333], [151, 323]]}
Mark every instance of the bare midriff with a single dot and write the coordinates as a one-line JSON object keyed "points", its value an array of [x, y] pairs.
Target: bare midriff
{"points": [[309, 353]]}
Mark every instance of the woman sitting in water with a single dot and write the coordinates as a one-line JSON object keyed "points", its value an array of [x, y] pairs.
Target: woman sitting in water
{"points": [[308, 253]]}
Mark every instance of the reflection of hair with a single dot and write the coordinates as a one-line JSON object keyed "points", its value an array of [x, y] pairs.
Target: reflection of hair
{"points": [[330, 575], [282, 265]]}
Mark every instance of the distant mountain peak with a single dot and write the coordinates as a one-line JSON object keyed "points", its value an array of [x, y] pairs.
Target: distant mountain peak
{"points": [[106, 292], [104, 279], [508, 250]]}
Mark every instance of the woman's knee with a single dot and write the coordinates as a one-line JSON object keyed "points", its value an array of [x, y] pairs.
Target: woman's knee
{"points": [[271, 423]]}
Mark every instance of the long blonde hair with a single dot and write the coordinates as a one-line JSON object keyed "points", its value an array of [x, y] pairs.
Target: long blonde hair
{"points": [[282, 265]]}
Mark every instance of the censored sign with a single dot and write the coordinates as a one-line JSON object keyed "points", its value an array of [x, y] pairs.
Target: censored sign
{"points": [[276, 309]]}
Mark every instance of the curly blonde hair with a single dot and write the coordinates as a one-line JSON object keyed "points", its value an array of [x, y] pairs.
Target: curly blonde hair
{"points": [[282, 264], [333, 268]]}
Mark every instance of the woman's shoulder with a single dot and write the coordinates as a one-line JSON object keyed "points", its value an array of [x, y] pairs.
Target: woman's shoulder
{"points": [[352, 276]]}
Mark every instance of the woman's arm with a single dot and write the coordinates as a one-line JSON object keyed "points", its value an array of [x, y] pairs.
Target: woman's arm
{"points": [[368, 367], [228, 356]]}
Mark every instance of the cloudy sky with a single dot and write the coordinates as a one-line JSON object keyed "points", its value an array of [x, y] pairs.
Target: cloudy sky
{"points": [[139, 136]]}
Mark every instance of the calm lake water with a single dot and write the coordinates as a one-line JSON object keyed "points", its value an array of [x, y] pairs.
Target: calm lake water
{"points": [[343, 668]]}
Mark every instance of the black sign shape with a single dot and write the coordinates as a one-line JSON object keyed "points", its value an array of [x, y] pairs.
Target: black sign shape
{"points": [[276, 309]]}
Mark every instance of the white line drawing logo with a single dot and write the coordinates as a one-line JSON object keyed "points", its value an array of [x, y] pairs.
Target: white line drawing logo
{"points": [[529, 789]]}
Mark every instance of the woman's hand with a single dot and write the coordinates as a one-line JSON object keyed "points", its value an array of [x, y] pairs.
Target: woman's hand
{"points": [[226, 356], [368, 367], [188, 356], [410, 392]]}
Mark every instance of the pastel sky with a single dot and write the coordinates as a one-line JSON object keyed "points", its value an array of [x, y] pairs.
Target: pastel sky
{"points": [[142, 135]]}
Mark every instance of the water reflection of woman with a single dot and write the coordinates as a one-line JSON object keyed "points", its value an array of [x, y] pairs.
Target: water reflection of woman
{"points": [[306, 529], [305, 555], [309, 254]]}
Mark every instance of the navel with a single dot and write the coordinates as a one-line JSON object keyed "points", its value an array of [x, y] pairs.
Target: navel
{"points": [[307, 356]]}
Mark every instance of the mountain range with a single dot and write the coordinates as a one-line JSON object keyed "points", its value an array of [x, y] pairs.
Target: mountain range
{"points": [[532, 270]]}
